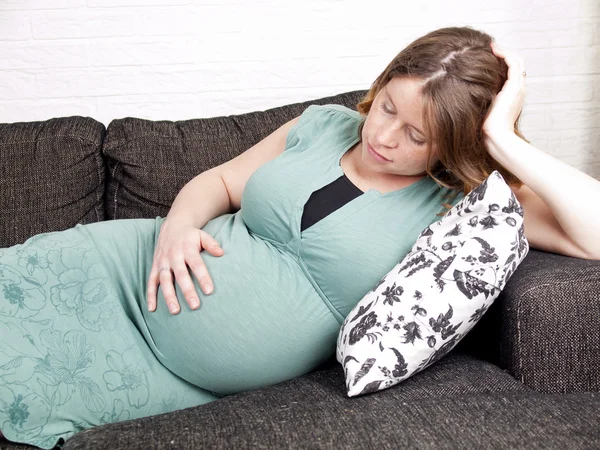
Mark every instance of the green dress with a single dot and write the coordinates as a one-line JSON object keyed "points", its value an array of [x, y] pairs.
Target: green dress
{"points": [[78, 347]]}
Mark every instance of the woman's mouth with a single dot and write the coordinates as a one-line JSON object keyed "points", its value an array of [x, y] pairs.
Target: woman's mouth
{"points": [[376, 155]]}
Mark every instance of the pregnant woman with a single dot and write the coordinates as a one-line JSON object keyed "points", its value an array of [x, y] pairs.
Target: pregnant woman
{"points": [[281, 242]]}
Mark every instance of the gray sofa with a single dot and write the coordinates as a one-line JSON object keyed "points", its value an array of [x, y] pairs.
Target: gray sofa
{"points": [[527, 376]]}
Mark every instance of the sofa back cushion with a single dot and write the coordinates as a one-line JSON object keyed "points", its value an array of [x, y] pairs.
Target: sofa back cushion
{"points": [[150, 161], [51, 176]]}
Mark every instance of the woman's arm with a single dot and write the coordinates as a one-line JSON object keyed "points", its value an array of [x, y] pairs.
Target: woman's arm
{"points": [[208, 195], [219, 190], [202, 199], [557, 199]]}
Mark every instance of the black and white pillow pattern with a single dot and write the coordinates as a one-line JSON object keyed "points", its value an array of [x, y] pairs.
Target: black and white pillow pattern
{"points": [[429, 301]]}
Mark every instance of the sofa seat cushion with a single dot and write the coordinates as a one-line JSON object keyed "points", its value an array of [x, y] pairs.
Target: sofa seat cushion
{"points": [[150, 161], [51, 176], [482, 420], [314, 411]]}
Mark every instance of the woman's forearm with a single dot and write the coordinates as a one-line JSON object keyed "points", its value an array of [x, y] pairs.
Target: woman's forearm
{"points": [[201, 200], [568, 192]]}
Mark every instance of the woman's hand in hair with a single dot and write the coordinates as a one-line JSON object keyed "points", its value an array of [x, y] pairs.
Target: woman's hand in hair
{"points": [[508, 104]]}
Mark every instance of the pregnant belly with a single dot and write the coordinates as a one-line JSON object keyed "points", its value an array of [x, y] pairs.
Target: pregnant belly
{"points": [[264, 322]]}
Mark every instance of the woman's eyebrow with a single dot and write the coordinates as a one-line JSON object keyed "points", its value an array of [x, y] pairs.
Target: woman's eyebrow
{"points": [[390, 98]]}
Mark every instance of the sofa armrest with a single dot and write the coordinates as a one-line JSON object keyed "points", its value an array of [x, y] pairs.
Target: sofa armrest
{"points": [[549, 313]]}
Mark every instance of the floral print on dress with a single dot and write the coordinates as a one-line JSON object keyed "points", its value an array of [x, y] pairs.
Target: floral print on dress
{"points": [[456, 268], [20, 296], [169, 402], [82, 290], [70, 358], [22, 411], [118, 413], [33, 263], [53, 364], [128, 374]]}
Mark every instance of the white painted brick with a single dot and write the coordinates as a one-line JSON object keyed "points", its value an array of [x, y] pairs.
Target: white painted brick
{"points": [[55, 54], [568, 145], [576, 148], [262, 47], [127, 3], [574, 116], [38, 4], [560, 89], [14, 26], [74, 24], [562, 61], [543, 34], [438, 13], [17, 85], [203, 104], [39, 110], [34, 55], [205, 20], [183, 78], [555, 9], [533, 118], [156, 52], [578, 116]]}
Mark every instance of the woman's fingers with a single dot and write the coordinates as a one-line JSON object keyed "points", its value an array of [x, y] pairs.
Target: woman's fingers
{"points": [[196, 264], [152, 288], [166, 272], [153, 283], [516, 65], [183, 279], [168, 290], [210, 244]]}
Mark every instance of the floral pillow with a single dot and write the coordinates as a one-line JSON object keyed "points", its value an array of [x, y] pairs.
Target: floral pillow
{"points": [[429, 301]]}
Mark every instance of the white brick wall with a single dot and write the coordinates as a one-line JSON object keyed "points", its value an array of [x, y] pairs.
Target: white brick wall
{"points": [[182, 59]]}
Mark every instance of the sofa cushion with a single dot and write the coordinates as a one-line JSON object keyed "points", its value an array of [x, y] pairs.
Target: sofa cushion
{"points": [[461, 402], [150, 161], [51, 176], [550, 324]]}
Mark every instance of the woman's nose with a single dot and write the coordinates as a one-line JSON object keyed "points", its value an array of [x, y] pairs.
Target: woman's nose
{"points": [[386, 137]]}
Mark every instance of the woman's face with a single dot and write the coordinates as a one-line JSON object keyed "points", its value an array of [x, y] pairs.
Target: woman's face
{"points": [[394, 129]]}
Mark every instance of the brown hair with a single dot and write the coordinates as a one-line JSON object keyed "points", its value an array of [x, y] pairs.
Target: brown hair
{"points": [[462, 76]]}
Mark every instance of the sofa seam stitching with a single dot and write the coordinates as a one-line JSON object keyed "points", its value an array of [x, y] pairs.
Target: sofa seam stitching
{"points": [[116, 189], [49, 137], [98, 166]]}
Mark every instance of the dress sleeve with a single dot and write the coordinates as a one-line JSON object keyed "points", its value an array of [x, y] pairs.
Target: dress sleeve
{"points": [[307, 115], [322, 124]]}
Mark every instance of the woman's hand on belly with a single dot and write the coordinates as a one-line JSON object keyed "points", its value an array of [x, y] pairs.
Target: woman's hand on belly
{"points": [[179, 246]]}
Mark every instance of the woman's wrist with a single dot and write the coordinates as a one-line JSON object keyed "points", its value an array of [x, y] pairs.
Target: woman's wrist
{"points": [[178, 218], [500, 142]]}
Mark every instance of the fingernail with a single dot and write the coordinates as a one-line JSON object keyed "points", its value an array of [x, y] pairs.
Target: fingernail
{"points": [[173, 308], [207, 288], [194, 303]]}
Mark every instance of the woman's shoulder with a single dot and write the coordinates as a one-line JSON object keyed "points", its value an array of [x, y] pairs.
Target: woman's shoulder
{"points": [[323, 123], [331, 109]]}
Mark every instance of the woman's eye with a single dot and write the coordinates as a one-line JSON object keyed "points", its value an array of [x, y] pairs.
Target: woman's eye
{"points": [[415, 140], [385, 109]]}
